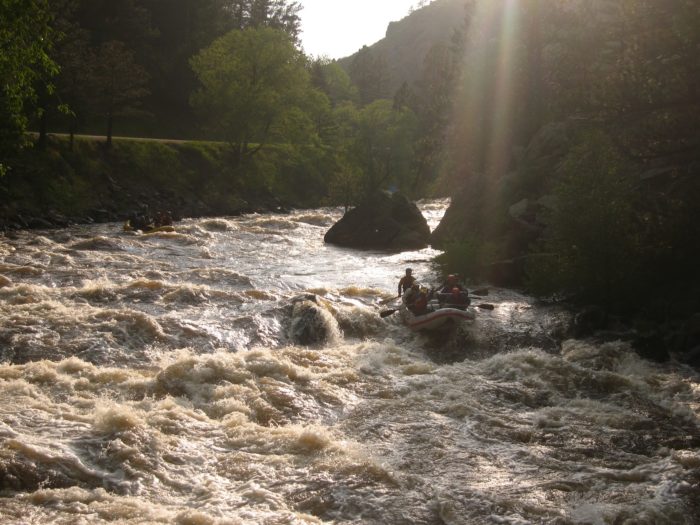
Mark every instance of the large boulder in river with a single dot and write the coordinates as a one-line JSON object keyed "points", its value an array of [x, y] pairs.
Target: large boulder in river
{"points": [[384, 222]]}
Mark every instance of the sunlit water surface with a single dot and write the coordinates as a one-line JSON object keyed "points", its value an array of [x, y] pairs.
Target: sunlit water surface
{"points": [[237, 371]]}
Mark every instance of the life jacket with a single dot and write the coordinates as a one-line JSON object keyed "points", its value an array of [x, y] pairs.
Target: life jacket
{"points": [[454, 298], [421, 303]]}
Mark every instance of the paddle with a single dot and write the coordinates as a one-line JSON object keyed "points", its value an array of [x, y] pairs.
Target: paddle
{"points": [[485, 306], [480, 292], [387, 313], [387, 301]]}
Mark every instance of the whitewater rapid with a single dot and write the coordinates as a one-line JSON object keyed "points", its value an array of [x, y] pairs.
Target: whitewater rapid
{"points": [[237, 371]]}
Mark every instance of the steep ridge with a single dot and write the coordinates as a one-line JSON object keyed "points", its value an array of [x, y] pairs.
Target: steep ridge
{"points": [[408, 40]]}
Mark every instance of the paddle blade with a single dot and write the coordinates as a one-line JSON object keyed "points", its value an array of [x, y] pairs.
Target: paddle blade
{"points": [[387, 313], [485, 306]]}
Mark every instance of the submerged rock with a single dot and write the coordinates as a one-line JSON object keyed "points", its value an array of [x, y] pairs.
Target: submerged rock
{"points": [[385, 222], [311, 323], [20, 473]]}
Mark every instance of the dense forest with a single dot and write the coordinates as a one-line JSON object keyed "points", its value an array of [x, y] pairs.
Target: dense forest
{"points": [[574, 152], [564, 130], [227, 72]]}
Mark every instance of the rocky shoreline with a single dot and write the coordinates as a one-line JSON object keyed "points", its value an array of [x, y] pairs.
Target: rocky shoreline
{"points": [[54, 219], [56, 186]]}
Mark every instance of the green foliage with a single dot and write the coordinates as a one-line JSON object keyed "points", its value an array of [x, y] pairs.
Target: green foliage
{"points": [[76, 60], [434, 99], [469, 257], [26, 38], [610, 87], [383, 146], [345, 186], [251, 80], [628, 68], [117, 81], [299, 173], [189, 178], [276, 14], [331, 79], [368, 72], [592, 239], [162, 37], [345, 118]]}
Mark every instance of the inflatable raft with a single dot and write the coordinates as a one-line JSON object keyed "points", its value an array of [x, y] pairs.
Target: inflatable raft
{"points": [[155, 229], [436, 319]]}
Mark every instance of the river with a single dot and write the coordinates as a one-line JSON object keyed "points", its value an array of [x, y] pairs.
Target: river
{"points": [[162, 379]]}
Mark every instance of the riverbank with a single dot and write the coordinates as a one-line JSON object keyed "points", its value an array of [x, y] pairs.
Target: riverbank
{"points": [[59, 185]]}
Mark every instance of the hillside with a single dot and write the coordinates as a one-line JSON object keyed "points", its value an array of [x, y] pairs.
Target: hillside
{"points": [[407, 41]]}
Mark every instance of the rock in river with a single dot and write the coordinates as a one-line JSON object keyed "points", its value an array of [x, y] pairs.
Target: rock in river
{"points": [[384, 222]]}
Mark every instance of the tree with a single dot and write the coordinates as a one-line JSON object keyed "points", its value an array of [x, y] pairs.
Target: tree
{"points": [[118, 82], [120, 20], [98, 72], [25, 38], [72, 55], [331, 79], [632, 65], [593, 237], [77, 61], [250, 80], [369, 73], [630, 69], [345, 185], [434, 103], [383, 146], [277, 14], [595, 102], [182, 31]]}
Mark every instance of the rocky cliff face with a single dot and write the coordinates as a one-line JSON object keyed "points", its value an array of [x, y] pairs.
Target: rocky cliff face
{"points": [[408, 41]]}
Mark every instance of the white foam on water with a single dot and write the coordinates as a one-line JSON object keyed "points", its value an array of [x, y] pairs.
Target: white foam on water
{"points": [[154, 379]]}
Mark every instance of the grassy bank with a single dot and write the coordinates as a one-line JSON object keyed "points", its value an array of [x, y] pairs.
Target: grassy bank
{"points": [[57, 184]]}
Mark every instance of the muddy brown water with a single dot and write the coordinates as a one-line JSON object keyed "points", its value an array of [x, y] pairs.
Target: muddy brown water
{"points": [[161, 379]]}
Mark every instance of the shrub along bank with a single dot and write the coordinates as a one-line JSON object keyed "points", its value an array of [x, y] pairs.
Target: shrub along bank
{"points": [[60, 184], [580, 222]]}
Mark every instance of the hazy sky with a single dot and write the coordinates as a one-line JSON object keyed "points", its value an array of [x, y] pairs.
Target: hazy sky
{"points": [[338, 28]]}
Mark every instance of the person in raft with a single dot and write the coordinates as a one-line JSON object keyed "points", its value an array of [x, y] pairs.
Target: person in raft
{"points": [[453, 294], [406, 282], [416, 299]]}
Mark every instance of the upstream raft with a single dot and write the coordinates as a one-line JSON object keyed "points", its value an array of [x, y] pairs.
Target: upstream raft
{"points": [[127, 227]]}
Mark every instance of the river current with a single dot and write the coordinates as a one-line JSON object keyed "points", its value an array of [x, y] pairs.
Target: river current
{"points": [[237, 371]]}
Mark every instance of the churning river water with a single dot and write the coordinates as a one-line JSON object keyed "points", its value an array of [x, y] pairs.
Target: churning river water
{"points": [[237, 371]]}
